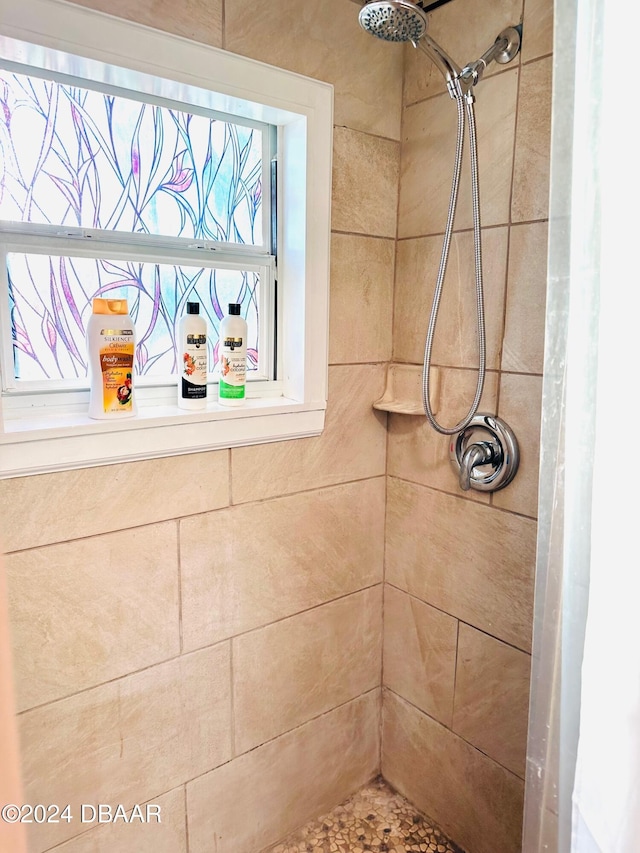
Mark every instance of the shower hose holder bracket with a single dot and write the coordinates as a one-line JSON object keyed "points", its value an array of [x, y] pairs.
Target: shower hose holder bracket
{"points": [[503, 50], [485, 455]]}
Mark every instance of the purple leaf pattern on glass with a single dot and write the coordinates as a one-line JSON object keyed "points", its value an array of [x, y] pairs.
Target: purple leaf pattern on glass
{"points": [[75, 157]]}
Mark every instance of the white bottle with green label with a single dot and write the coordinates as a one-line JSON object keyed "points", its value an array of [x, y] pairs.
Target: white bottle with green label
{"points": [[192, 359], [233, 358]]}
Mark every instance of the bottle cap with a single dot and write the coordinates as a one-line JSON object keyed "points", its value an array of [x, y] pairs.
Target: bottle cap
{"points": [[234, 308], [193, 307], [109, 306]]}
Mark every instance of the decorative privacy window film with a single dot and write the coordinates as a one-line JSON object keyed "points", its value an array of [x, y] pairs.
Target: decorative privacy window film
{"points": [[74, 157], [51, 298]]}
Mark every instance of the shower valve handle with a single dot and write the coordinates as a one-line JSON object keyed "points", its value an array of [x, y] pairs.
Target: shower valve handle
{"points": [[485, 455], [480, 453]]}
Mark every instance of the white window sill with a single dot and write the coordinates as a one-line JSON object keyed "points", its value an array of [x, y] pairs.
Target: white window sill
{"points": [[60, 440]]}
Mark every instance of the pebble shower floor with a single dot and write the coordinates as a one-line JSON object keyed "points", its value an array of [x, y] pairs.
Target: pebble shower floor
{"points": [[375, 819]]}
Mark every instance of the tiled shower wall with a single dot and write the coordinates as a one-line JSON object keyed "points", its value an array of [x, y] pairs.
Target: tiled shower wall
{"points": [[459, 566], [204, 632]]}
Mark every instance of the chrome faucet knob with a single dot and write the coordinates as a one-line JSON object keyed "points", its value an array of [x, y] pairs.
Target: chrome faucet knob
{"points": [[479, 453], [485, 454]]}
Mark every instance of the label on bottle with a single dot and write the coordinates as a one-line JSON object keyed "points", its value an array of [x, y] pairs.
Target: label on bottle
{"points": [[233, 369], [194, 368], [116, 365]]}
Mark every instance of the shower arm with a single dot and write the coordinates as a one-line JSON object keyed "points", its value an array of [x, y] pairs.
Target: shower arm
{"points": [[503, 50], [462, 80]]}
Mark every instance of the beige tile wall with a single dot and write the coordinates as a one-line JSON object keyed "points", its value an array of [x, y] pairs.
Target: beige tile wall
{"points": [[430, 125], [197, 631], [82, 615], [205, 632], [169, 836], [459, 566], [492, 687], [129, 740], [273, 789], [473, 798]]}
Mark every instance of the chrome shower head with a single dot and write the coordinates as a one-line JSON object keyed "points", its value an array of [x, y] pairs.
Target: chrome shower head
{"points": [[401, 20], [394, 20]]}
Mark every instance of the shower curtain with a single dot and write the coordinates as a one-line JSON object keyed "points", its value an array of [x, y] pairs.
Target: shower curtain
{"points": [[583, 765]]}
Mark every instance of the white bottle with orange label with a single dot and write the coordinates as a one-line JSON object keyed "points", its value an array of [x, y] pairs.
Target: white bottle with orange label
{"points": [[111, 346]]}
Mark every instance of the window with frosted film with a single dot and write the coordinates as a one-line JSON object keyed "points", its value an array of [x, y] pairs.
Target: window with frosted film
{"points": [[114, 172], [76, 157], [156, 295]]}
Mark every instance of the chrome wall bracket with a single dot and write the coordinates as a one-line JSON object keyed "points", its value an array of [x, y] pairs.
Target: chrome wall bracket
{"points": [[503, 50], [485, 454]]}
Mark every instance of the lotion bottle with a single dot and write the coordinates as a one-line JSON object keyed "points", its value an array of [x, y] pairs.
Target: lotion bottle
{"points": [[111, 343], [192, 359], [233, 358]]}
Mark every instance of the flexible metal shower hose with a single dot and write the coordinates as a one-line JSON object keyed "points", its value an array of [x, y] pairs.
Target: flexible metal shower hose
{"points": [[453, 201]]}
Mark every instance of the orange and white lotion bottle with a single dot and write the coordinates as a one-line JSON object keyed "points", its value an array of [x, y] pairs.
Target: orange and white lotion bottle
{"points": [[111, 345]]}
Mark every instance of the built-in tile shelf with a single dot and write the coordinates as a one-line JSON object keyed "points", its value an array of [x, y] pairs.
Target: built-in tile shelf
{"points": [[403, 390]]}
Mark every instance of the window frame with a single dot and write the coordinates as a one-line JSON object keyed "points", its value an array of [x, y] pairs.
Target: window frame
{"points": [[56, 436]]}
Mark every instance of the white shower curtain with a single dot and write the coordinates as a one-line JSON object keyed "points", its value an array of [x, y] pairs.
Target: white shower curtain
{"points": [[583, 775], [606, 797]]}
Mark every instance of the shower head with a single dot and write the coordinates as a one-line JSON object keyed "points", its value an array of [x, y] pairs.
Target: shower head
{"points": [[402, 20], [394, 20]]}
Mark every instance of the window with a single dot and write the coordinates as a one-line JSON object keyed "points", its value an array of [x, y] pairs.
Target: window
{"points": [[156, 183], [125, 176]]}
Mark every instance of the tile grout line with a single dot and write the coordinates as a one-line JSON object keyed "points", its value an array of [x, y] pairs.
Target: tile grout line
{"points": [[230, 476], [179, 559], [186, 652], [457, 735], [60, 845], [186, 818], [232, 704], [493, 226], [200, 513], [455, 673], [459, 620], [472, 501], [277, 737]]}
